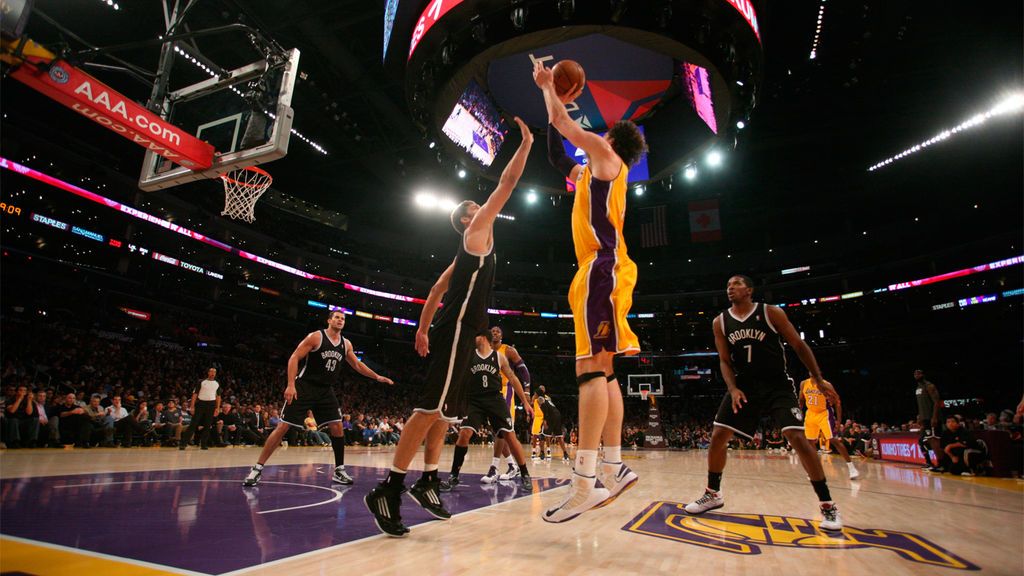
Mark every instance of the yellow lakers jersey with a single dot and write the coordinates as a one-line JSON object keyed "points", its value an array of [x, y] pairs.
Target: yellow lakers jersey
{"points": [[538, 414], [504, 379], [598, 213], [813, 397]]}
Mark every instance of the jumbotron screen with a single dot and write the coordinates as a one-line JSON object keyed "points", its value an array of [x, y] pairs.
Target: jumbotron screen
{"points": [[698, 88], [638, 173], [475, 125]]}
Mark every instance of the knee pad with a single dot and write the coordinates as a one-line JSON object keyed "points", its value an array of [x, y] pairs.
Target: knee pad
{"points": [[587, 377]]}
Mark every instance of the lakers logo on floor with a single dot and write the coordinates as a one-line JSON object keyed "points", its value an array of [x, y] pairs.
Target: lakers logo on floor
{"points": [[746, 533]]}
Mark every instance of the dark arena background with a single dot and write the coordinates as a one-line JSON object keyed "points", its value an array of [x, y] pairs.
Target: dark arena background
{"points": [[860, 161]]}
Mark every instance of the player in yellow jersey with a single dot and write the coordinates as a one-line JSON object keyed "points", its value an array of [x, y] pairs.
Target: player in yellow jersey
{"points": [[537, 429], [500, 446], [600, 294], [819, 421]]}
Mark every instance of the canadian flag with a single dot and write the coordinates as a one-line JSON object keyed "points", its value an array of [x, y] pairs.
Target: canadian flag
{"points": [[705, 224]]}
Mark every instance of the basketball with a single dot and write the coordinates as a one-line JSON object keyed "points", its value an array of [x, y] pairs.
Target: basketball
{"points": [[568, 73]]}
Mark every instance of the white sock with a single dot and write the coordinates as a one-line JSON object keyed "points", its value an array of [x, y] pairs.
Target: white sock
{"points": [[495, 462], [258, 466], [429, 467], [511, 460], [397, 470], [586, 462], [613, 454], [850, 465]]}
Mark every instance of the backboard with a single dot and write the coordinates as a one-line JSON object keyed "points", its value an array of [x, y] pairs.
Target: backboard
{"points": [[244, 113], [650, 382]]}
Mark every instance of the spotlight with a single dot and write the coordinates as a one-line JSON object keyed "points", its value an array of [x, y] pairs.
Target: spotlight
{"points": [[741, 125], [432, 144], [690, 173], [426, 200], [519, 12], [714, 158], [446, 204], [618, 10], [566, 8], [462, 173], [531, 197], [479, 29], [638, 190]]}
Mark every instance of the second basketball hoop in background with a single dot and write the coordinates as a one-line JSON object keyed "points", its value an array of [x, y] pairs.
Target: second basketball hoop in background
{"points": [[242, 188]]}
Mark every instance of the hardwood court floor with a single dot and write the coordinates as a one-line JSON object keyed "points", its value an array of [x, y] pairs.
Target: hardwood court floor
{"points": [[161, 511]]}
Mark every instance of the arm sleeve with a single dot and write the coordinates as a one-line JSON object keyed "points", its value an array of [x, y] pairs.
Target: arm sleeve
{"points": [[522, 373], [556, 153]]}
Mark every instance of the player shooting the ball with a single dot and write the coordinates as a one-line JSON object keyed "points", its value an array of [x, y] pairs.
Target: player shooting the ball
{"points": [[601, 293]]}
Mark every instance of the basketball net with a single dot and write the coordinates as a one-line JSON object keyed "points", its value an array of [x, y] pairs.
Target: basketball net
{"points": [[242, 188], [643, 394]]}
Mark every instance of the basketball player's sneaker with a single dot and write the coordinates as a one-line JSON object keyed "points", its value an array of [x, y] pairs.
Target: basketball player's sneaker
{"points": [[711, 500], [385, 502], [425, 493], [491, 477], [341, 477], [583, 496], [512, 472], [854, 473], [617, 478], [253, 478], [450, 484], [831, 520], [526, 483]]}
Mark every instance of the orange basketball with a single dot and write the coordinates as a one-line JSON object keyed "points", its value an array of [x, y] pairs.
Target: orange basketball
{"points": [[568, 74]]}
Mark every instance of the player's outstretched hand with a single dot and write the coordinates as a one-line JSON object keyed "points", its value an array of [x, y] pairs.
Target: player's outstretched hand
{"points": [[738, 399], [290, 394], [422, 343], [542, 75], [527, 135], [385, 380]]}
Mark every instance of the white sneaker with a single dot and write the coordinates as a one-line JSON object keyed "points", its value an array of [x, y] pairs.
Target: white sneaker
{"points": [[617, 478], [854, 473], [491, 477], [512, 472], [831, 520], [711, 500], [583, 495], [341, 477]]}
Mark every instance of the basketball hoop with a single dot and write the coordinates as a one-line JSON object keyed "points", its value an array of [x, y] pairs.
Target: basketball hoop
{"points": [[242, 188], [643, 394]]}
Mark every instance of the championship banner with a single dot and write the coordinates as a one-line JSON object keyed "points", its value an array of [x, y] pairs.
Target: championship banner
{"points": [[40, 70], [654, 438]]}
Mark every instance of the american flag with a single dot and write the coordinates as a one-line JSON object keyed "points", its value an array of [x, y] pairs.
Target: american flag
{"points": [[652, 227]]}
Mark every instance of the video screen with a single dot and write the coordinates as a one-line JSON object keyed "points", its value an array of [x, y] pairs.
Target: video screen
{"points": [[475, 125], [637, 173], [698, 89]]}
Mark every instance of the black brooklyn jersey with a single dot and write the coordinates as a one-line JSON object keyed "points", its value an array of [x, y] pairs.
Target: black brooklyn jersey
{"points": [[484, 376], [469, 290], [548, 408], [321, 367], [754, 346]]}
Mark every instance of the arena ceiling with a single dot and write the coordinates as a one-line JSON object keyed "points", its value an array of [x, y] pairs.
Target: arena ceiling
{"points": [[887, 75]]}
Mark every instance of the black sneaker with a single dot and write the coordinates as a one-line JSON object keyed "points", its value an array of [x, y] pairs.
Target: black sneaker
{"points": [[449, 484], [425, 493], [385, 504], [253, 478], [526, 483]]}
